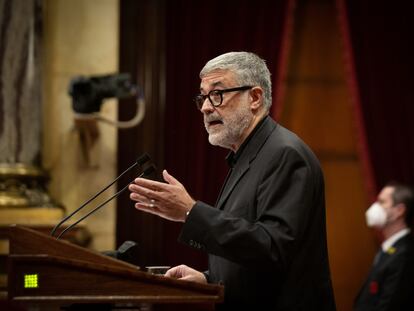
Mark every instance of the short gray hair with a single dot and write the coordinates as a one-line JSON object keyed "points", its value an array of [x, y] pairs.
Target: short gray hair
{"points": [[248, 68]]}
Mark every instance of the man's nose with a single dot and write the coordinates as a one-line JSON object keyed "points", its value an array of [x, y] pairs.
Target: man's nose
{"points": [[207, 106]]}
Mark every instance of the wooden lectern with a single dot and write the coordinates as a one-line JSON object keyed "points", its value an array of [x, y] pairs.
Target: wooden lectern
{"points": [[49, 273]]}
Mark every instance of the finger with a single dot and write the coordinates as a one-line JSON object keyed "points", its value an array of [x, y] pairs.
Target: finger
{"points": [[169, 178], [147, 208], [137, 189], [144, 201], [139, 192], [138, 198], [150, 184], [187, 278], [172, 273]]}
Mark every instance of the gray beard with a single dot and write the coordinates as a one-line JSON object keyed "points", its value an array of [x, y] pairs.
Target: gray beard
{"points": [[233, 129]]}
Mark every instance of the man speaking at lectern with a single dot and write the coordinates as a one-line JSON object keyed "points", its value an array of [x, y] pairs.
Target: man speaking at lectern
{"points": [[266, 236]]}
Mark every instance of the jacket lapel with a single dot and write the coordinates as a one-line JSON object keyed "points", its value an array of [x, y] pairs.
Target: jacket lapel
{"points": [[234, 177], [248, 155]]}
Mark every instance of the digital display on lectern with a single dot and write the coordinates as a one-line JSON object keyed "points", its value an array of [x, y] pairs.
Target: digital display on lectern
{"points": [[31, 281]]}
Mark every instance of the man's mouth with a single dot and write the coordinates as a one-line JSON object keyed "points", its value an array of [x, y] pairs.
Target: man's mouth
{"points": [[214, 122]]}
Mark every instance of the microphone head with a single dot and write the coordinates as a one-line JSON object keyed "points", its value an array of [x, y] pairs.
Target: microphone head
{"points": [[126, 246], [149, 170], [142, 159]]}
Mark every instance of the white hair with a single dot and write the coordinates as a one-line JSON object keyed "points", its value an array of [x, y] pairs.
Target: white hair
{"points": [[248, 68]]}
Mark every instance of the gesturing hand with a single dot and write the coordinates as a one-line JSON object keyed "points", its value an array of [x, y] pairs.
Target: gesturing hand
{"points": [[169, 200]]}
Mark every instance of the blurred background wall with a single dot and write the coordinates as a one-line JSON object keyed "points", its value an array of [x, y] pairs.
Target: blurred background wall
{"points": [[80, 39]]}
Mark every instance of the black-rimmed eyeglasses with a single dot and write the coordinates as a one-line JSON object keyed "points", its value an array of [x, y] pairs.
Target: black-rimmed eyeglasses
{"points": [[216, 96]]}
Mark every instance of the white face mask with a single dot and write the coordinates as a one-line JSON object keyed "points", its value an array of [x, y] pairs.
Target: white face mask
{"points": [[376, 216]]}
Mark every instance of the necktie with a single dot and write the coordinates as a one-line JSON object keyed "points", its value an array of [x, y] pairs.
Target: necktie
{"points": [[378, 257]]}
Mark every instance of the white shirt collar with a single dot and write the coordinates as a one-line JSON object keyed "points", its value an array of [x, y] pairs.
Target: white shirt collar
{"points": [[394, 238]]}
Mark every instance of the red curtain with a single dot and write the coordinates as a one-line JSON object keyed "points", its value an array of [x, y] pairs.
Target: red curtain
{"points": [[378, 38], [196, 32]]}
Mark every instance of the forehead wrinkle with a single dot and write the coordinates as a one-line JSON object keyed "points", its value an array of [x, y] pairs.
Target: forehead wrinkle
{"points": [[213, 85], [216, 78]]}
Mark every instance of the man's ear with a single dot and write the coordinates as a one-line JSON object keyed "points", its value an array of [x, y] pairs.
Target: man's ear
{"points": [[256, 96], [400, 209]]}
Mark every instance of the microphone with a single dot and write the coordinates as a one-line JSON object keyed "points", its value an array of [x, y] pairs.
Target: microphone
{"points": [[141, 160], [147, 171], [126, 252]]}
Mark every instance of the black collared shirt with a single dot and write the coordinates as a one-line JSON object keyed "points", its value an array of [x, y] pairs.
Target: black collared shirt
{"points": [[233, 157]]}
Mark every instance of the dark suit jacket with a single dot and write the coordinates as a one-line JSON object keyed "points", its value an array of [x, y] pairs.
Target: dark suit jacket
{"points": [[266, 237], [390, 284]]}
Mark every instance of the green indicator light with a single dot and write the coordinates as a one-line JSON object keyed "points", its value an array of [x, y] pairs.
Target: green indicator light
{"points": [[31, 281]]}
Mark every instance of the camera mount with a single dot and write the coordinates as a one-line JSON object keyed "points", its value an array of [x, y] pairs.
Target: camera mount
{"points": [[88, 94]]}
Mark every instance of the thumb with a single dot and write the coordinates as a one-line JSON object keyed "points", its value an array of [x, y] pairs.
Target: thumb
{"points": [[172, 273], [175, 272], [169, 178]]}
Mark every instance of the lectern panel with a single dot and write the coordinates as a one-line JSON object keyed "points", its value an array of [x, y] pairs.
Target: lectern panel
{"points": [[58, 273]]}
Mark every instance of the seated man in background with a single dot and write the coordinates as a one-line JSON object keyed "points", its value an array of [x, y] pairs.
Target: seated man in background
{"points": [[390, 283]]}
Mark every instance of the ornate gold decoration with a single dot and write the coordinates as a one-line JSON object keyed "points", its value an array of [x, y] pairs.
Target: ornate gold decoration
{"points": [[23, 185]]}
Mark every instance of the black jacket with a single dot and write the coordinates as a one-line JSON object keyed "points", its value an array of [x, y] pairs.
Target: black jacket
{"points": [[266, 237], [390, 283]]}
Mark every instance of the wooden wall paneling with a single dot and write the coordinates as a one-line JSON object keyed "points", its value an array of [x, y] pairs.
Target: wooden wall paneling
{"points": [[142, 55], [317, 107]]}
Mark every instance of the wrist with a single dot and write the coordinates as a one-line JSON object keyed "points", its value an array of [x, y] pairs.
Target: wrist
{"points": [[189, 210], [186, 214], [206, 276]]}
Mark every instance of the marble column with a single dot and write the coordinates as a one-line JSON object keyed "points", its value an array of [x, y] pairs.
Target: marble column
{"points": [[20, 81], [23, 195]]}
